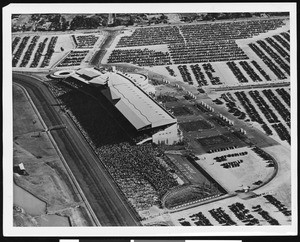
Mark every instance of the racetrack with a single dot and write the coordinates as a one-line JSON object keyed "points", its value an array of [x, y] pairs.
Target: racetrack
{"points": [[100, 191]]}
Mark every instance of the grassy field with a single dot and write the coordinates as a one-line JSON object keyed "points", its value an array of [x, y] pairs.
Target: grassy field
{"points": [[47, 179]]}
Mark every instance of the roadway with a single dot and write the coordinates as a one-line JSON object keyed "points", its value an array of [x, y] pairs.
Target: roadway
{"points": [[103, 195]]}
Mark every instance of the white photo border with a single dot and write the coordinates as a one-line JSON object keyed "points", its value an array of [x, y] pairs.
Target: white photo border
{"points": [[10, 230]]}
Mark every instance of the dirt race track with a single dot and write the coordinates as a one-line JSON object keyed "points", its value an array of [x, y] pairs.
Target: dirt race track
{"points": [[103, 196]]}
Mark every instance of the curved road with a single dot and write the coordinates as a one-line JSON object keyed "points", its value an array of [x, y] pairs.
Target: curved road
{"points": [[100, 191]]}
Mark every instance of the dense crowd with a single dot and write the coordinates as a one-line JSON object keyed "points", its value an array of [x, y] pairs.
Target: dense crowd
{"points": [[280, 75], [141, 57], [19, 51], [140, 166], [243, 214], [74, 58], [29, 51], [50, 51], [85, 41]]}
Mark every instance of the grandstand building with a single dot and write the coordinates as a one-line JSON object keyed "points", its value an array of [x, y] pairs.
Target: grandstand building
{"points": [[129, 93]]}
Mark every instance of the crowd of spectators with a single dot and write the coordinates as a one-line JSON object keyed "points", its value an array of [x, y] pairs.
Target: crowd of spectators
{"points": [[237, 72], [283, 42], [15, 43], [138, 165], [284, 95], [279, 205], [243, 214], [19, 51], [200, 219], [74, 58], [200, 78], [141, 57], [29, 51], [85, 41], [186, 75], [281, 109], [261, 70], [250, 71], [280, 75], [275, 56], [38, 53], [221, 216], [50, 51], [279, 49], [152, 36]]}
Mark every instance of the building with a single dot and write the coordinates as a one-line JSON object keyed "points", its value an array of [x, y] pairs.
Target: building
{"points": [[129, 93]]}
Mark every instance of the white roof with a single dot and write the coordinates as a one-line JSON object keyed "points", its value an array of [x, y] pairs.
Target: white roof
{"points": [[136, 105]]}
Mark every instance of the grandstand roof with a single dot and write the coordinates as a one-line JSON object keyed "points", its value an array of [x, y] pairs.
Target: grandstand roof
{"points": [[138, 108], [136, 105]]}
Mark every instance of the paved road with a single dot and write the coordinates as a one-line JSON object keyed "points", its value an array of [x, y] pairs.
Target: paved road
{"points": [[102, 194], [252, 86]]}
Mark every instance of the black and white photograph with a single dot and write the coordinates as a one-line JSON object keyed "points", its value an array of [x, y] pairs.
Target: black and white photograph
{"points": [[151, 118]]}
